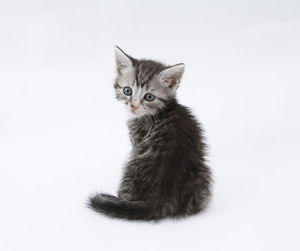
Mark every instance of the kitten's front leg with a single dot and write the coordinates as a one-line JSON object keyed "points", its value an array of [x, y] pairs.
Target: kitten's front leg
{"points": [[124, 196]]}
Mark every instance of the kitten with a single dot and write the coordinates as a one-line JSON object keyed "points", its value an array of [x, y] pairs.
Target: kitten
{"points": [[166, 175]]}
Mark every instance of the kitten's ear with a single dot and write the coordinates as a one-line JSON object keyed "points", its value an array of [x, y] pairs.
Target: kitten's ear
{"points": [[172, 75], [123, 61]]}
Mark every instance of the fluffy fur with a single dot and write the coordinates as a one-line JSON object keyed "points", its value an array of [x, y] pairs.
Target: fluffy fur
{"points": [[166, 175]]}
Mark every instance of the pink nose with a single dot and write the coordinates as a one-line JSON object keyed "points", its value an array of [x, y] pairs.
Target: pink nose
{"points": [[133, 107]]}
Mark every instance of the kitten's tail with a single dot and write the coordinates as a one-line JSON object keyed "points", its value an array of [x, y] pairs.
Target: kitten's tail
{"points": [[118, 208]]}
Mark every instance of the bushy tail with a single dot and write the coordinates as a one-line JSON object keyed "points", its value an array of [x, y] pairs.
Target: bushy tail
{"points": [[118, 208]]}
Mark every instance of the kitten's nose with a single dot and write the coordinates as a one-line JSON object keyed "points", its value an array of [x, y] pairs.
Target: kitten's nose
{"points": [[133, 107]]}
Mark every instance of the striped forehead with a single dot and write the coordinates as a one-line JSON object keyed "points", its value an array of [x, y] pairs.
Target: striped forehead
{"points": [[146, 70], [138, 92]]}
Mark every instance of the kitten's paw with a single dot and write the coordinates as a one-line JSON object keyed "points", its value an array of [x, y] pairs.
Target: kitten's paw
{"points": [[124, 196]]}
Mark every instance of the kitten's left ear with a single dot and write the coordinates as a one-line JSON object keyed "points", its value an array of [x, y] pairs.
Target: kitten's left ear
{"points": [[172, 75]]}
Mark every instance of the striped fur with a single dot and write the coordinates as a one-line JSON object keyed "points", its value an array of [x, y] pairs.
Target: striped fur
{"points": [[166, 175]]}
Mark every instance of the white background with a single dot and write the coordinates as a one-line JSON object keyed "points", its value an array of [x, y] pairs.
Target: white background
{"points": [[63, 135]]}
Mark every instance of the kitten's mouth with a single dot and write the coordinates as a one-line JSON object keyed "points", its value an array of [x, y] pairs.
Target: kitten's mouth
{"points": [[133, 110], [136, 112]]}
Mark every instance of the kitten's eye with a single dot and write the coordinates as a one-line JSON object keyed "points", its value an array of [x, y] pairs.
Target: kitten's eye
{"points": [[127, 91], [149, 97]]}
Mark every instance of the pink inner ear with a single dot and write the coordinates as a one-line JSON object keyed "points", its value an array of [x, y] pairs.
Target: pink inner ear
{"points": [[120, 67], [172, 75], [172, 80]]}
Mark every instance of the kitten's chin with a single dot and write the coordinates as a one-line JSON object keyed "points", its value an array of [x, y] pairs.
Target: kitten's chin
{"points": [[135, 114]]}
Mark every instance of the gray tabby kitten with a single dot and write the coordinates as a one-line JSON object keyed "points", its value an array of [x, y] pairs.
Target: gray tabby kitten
{"points": [[166, 175]]}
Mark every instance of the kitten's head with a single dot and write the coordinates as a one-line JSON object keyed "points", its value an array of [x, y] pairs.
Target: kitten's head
{"points": [[145, 86]]}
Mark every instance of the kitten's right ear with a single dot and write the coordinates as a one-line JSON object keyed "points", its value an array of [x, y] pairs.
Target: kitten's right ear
{"points": [[123, 61]]}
